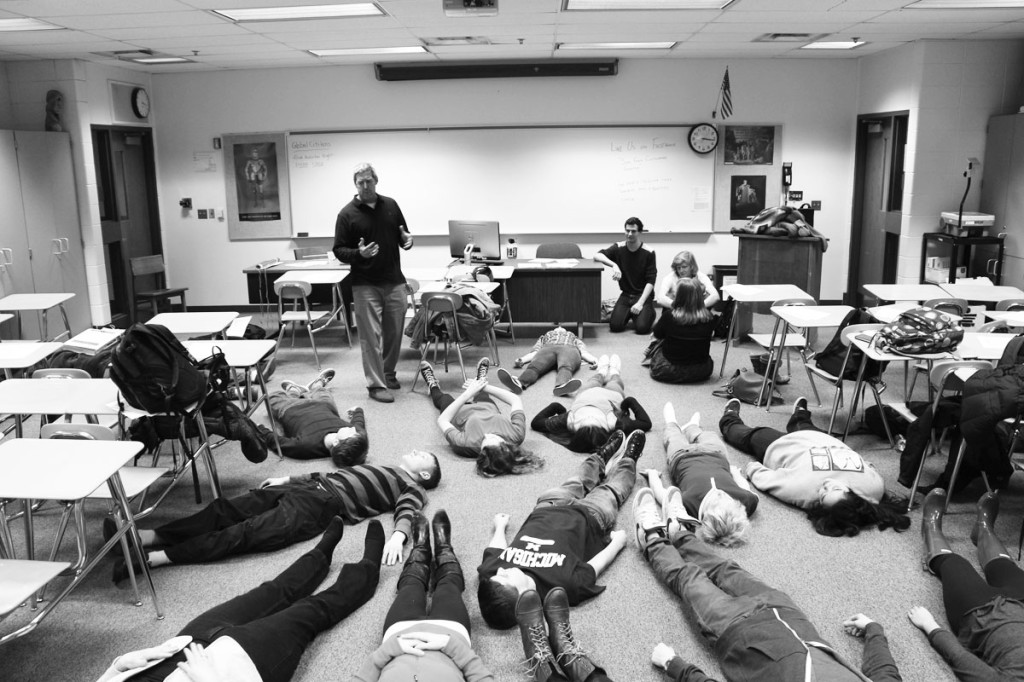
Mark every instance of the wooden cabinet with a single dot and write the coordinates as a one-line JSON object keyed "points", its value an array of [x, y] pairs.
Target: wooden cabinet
{"points": [[1002, 190], [40, 237], [777, 260]]}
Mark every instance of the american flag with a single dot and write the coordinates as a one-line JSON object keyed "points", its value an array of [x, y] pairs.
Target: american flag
{"points": [[726, 108]]}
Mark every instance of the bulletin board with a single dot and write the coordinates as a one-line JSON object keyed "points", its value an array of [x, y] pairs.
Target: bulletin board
{"points": [[530, 179]]}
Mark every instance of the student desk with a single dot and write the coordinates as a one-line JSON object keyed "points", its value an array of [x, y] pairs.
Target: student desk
{"points": [[755, 293], [188, 325], [21, 356], [328, 277], [91, 397], [260, 281], [69, 470], [983, 293], [41, 304], [905, 292]]}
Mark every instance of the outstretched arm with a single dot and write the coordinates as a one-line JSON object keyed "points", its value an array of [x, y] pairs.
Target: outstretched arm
{"points": [[393, 548], [603, 559], [498, 540], [878, 664]]}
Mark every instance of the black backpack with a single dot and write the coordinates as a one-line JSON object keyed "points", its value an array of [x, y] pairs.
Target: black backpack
{"points": [[830, 358], [154, 372]]}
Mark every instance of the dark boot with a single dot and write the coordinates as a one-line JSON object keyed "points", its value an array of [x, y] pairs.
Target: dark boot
{"points": [[417, 565], [446, 564], [539, 659], [568, 652], [988, 509], [935, 543], [611, 446]]}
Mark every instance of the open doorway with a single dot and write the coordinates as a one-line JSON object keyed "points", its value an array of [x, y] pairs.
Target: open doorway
{"points": [[877, 201], [126, 185]]}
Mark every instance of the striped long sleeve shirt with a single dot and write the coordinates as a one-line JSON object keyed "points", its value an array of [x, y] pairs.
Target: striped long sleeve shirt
{"points": [[368, 490]]}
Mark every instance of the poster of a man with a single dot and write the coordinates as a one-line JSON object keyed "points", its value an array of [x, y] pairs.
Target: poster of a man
{"points": [[256, 181], [746, 198]]}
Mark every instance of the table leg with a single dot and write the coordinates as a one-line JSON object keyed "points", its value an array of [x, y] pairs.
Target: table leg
{"points": [[44, 324], [121, 500], [772, 370], [856, 394], [64, 316], [728, 337]]}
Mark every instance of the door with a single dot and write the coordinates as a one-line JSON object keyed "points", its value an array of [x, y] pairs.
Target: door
{"points": [[878, 200]]}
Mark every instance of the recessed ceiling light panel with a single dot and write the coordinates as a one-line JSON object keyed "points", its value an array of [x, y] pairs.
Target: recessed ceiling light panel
{"points": [[352, 9], [664, 45], [27, 25], [358, 51], [641, 5], [834, 45], [966, 4]]}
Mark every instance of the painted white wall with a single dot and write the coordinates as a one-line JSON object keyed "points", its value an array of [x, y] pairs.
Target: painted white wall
{"points": [[814, 100]]}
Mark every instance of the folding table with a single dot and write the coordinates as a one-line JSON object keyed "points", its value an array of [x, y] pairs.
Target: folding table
{"points": [[41, 304]]}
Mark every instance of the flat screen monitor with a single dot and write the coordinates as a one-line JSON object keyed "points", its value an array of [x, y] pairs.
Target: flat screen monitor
{"points": [[482, 234]]}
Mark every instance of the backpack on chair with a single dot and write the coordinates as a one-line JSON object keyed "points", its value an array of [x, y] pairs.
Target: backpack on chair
{"points": [[154, 371]]}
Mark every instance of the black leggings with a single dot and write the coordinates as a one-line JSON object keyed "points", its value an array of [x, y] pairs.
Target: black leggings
{"points": [[964, 590], [447, 604], [755, 440]]}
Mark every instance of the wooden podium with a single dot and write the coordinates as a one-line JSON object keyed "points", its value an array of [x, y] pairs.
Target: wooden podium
{"points": [[777, 260]]}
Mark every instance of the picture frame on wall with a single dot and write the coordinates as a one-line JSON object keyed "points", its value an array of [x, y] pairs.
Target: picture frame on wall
{"points": [[735, 203], [746, 196], [258, 196], [749, 145]]}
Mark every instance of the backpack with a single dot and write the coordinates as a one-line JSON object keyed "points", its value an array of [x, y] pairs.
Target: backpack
{"points": [[154, 372], [831, 357], [921, 330]]}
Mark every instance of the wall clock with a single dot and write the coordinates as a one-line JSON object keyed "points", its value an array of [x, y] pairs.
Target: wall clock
{"points": [[140, 103], [703, 138]]}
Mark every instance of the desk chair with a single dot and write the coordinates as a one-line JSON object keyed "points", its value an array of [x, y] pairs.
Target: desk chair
{"points": [[19, 580], [441, 323], [1010, 304], [770, 342], [297, 292], [146, 266], [559, 250], [62, 373]]}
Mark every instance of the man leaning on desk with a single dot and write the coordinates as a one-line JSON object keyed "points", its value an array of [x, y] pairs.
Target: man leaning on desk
{"points": [[367, 235]]}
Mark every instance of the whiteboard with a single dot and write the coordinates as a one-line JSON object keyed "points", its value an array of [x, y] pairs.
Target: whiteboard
{"points": [[532, 180]]}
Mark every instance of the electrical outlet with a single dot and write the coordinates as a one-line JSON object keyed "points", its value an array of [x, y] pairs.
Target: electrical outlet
{"points": [[210, 213], [816, 205], [202, 214]]}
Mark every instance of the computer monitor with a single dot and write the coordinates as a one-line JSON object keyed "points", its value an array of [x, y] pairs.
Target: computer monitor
{"points": [[483, 234]]}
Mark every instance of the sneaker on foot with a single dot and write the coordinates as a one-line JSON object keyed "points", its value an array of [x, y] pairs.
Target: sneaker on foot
{"points": [[323, 378], [483, 368], [512, 383], [568, 388], [672, 508], [732, 407], [646, 516], [427, 372], [292, 388], [800, 404]]}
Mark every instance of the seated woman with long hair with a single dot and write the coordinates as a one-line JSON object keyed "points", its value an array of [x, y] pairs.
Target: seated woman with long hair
{"points": [[599, 409], [841, 491], [682, 354], [476, 427], [985, 614], [684, 266]]}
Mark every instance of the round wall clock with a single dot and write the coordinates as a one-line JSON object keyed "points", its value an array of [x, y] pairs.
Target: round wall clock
{"points": [[140, 103], [703, 138]]}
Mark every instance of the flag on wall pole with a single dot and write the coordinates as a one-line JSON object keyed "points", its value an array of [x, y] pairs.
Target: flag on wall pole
{"points": [[725, 96]]}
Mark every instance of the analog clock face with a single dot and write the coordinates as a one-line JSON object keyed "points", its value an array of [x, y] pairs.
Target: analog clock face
{"points": [[140, 102], [703, 138]]}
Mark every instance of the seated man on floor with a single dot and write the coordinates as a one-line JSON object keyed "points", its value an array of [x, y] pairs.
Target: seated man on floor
{"points": [[566, 541], [312, 427], [290, 509], [757, 632], [558, 348]]}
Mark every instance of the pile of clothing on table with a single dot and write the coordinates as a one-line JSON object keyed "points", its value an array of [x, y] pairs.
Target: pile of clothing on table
{"points": [[781, 221]]}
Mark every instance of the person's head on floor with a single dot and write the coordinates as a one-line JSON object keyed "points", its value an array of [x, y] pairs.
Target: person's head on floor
{"points": [[347, 446], [684, 264], [688, 304], [424, 467], [723, 520], [499, 457], [840, 511], [588, 438], [499, 593], [634, 229]]}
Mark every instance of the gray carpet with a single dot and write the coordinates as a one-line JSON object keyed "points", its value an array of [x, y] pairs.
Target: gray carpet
{"points": [[876, 573]]}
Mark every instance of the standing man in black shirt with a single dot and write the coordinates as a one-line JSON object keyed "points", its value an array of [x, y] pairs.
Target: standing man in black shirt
{"points": [[636, 271], [368, 234]]}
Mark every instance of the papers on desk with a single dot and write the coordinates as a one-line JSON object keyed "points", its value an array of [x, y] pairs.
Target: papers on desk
{"points": [[549, 263], [92, 341]]}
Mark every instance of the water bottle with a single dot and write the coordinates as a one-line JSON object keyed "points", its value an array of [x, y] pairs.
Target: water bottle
{"points": [[510, 250]]}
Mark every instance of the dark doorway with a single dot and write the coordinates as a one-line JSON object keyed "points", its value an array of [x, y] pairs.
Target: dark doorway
{"points": [[877, 201], [126, 185]]}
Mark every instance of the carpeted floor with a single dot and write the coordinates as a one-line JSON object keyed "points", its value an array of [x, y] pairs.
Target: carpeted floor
{"points": [[878, 573]]}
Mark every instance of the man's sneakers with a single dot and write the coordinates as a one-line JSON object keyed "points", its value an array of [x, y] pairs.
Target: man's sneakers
{"points": [[322, 379], [483, 368], [510, 382], [646, 516], [800, 405], [672, 508], [427, 372], [568, 388], [633, 448], [732, 407], [292, 388], [381, 395]]}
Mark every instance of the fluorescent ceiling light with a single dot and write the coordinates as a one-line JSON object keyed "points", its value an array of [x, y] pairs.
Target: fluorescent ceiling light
{"points": [[966, 4], [834, 45], [639, 5], [27, 25], [161, 60], [352, 9], [664, 45], [356, 51]]}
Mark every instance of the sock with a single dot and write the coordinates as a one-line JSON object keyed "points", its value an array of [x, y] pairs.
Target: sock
{"points": [[373, 548], [694, 420], [669, 414], [331, 537]]}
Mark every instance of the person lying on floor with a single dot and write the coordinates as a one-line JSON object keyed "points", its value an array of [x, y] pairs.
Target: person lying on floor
{"points": [[706, 491], [475, 426], [290, 509], [597, 410], [312, 427], [259, 636], [427, 643], [756, 631], [841, 491], [985, 614], [566, 541], [557, 349]]}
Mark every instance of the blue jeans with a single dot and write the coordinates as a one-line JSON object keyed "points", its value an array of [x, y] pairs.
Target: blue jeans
{"points": [[566, 358], [622, 313], [600, 500], [380, 312]]}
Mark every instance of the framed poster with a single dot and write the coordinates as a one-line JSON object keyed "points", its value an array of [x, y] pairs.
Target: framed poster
{"points": [[747, 178], [256, 170]]}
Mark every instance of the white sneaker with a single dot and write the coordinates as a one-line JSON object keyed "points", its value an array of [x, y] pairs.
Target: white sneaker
{"points": [[646, 515], [669, 413], [615, 364], [672, 508]]}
